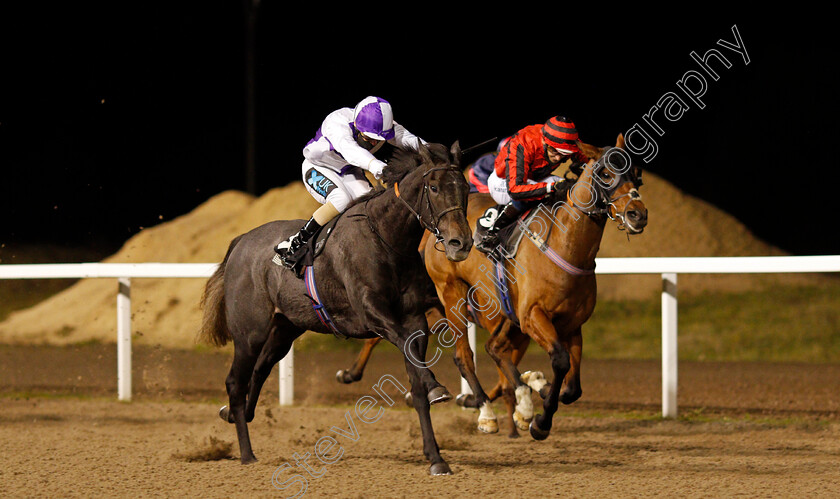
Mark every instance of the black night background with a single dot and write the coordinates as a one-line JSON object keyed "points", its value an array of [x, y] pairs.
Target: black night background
{"points": [[120, 116]]}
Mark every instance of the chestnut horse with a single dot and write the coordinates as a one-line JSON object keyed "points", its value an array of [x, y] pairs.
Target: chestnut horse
{"points": [[551, 290]]}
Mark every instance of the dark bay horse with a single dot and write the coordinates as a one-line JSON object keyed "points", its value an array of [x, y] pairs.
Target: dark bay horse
{"points": [[550, 304], [371, 280]]}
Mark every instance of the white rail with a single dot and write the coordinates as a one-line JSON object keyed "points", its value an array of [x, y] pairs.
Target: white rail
{"points": [[123, 272], [667, 267]]}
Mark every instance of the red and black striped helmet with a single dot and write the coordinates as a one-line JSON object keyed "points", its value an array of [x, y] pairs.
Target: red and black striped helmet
{"points": [[561, 134]]}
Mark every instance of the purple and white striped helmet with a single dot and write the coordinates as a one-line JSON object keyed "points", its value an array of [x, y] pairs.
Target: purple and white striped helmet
{"points": [[373, 117]]}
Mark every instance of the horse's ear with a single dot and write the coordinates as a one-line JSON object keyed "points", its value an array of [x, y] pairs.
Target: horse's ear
{"points": [[589, 151], [425, 153], [455, 152], [620, 141]]}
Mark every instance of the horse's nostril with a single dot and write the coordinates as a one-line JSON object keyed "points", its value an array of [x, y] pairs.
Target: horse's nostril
{"points": [[456, 243]]}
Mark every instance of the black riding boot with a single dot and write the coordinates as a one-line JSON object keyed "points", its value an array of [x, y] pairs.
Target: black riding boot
{"points": [[286, 250], [487, 228]]}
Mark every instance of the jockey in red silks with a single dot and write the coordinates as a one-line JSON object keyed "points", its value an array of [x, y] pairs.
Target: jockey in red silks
{"points": [[523, 174], [335, 160]]}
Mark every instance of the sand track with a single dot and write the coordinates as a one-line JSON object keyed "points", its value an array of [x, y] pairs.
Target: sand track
{"points": [[768, 430]]}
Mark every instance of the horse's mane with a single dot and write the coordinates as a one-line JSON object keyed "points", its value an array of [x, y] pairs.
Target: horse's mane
{"points": [[399, 165], [401, 162]]}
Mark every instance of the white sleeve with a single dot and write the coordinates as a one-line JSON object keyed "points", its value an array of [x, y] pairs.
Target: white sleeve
{"points": [[405, 139], [340, 135]]}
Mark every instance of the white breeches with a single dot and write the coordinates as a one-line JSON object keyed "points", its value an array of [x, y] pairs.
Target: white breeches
{"points": [[327, 185], [499, 190]]}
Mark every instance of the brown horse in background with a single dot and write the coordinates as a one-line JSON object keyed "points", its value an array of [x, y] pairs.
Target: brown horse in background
{"points": [[551, 285], [549, 304]]}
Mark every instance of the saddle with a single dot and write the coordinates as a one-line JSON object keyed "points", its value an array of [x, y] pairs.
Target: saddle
{"points": [[511, 236]]}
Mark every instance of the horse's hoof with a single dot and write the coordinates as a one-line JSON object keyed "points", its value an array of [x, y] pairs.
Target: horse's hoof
{"points": [[248, 459], [466, 400], [569, 396], [536, 432], [440, 468], [409, 399], [225, 414], [439, 394], [343, 376], [459, 400], [488, 425], [521, 421]]}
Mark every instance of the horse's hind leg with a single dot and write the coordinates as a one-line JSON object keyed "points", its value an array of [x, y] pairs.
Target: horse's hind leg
{"points": [[355, 373], [237, 386], [507, 347], [280, 339]]}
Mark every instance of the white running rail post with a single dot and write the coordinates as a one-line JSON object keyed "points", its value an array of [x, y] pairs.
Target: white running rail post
{"points": [[124, 339], [669, 345], [286, 370], [465, 387]]}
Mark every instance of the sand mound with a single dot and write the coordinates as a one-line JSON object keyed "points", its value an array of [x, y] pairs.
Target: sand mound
{"points": [[683, 225], [166, 311]]}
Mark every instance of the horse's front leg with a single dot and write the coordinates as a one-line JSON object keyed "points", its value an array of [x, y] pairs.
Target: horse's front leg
{"points": [[412, 339], [571, 390], [421, 401], [544, 332]]}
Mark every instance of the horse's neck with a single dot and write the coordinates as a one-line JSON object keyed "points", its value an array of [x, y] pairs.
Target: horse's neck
{"points": [[576, 236]]}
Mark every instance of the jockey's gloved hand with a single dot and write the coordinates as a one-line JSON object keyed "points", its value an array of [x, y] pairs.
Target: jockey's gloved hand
{"points": [[376, 169]]}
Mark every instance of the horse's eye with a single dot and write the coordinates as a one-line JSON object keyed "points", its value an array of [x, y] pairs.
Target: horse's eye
{"points": [[433, 188]]}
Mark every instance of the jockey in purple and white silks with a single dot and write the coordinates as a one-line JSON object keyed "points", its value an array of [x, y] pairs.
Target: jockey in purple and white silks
{"points": [[334, 161]]}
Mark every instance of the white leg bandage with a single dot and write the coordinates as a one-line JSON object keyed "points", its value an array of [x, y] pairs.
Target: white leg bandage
{"points": [[534, 379], [524, 406]]}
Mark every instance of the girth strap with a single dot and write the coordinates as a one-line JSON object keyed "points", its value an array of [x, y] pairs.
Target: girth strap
{"points": [[317, 305]]}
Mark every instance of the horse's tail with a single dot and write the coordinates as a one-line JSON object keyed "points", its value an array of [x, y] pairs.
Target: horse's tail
{"points": [[214, 329]]}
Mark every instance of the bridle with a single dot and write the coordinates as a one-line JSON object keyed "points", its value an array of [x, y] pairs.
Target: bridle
{"points": [[602, 206], [435, 217], [605, 203]]}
